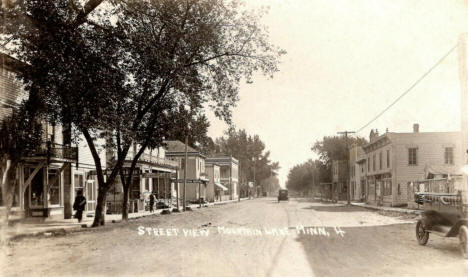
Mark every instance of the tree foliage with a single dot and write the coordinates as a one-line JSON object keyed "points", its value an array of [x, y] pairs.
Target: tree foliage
{"points": [[250, 151], [335, 148], [193, 124], [303, 177]]}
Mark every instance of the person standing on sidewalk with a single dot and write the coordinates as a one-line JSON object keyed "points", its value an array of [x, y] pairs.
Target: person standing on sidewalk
{"points": [[79, 205], [151, 202]]}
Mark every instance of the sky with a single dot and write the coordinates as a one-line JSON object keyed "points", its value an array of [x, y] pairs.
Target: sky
{"points": [[347, 61]]}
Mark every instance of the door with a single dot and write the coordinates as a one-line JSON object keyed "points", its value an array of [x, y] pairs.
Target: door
{"points": [[91, 195]]}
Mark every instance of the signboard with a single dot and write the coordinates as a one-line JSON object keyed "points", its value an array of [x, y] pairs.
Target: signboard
{"points": [[158, 175], [188, 181]]}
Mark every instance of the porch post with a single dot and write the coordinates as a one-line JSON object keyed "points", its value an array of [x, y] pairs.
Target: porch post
{"points": [[67, 191]]}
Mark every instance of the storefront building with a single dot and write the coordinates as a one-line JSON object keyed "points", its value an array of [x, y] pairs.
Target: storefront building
{"points": [[229, 176], [196, 178]]}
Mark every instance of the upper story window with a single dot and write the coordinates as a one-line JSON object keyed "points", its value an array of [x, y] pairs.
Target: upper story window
{"points": [[388, 158], [368, 164], [448, 155], [380, 160], [412, 156], [373, 163]]}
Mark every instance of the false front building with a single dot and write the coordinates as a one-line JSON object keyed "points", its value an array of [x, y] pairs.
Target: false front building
{"points": [[395, 160], [196, 178]]}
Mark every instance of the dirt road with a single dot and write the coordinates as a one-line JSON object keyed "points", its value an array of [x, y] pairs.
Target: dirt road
{"points": [[252, 238]]}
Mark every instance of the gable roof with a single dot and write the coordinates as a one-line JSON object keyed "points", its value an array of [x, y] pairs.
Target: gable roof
{"points": [[177, 148]]}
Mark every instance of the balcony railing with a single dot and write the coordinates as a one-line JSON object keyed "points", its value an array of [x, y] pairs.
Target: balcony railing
{"points": [[145, 157], [54, 151]]}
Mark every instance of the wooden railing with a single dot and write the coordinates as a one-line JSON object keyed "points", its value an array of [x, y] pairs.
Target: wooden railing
{"points": [[52, 150], [145, 157]]}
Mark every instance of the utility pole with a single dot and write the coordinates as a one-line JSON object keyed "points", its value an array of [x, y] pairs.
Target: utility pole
{"points": [[345, 133], [239, 181], [177, 189], [185, 173], [255, 183]]}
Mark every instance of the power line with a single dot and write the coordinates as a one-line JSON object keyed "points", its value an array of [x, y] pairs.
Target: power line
{"points": [[410, 88]]}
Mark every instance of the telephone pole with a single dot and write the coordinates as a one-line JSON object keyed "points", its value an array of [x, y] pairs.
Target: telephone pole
{"points": [[185, 174], [345, 133]]}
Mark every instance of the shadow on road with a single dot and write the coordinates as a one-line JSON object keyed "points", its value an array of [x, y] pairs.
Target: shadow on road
{"points": [[338, 209], [389, 250]]}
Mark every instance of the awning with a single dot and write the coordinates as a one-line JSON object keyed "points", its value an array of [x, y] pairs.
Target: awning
{"points": [[221, 186], [442, 170]]}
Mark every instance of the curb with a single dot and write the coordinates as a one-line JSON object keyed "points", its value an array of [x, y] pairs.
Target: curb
{"points": [[78, 228], [403, 211]]}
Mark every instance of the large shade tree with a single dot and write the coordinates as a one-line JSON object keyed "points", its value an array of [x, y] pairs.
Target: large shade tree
{"points": [[115, 70]]}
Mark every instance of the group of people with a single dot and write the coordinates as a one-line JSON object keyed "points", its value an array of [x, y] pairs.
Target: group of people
{"points": [[79, 204]]}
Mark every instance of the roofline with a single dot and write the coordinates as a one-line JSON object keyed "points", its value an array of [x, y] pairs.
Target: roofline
{"points": [[178, 153]]}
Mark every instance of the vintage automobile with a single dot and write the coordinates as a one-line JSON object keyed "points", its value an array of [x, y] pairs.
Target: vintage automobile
{"points": [[445, 214], [283, 195]]}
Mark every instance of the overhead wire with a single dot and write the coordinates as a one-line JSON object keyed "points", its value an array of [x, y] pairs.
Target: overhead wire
{"points": [[410, 88]]}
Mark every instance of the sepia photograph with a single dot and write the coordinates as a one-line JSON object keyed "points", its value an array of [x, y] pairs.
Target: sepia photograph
{"points": [[233, 138]]}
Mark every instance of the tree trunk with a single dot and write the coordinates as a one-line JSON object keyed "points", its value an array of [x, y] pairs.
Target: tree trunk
{"points": [[8, 186], [127, 183], [99, 216], [125, 203]]}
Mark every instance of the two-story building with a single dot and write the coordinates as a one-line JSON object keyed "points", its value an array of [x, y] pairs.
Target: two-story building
{"points": [[357, 172], [196, 178], [214, 189], [229, 172], [394, 160], [153, 173], [48, 179]]}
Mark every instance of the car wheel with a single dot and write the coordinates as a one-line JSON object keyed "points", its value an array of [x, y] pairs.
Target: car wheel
{"points": [[421, 234], [463, 236]]}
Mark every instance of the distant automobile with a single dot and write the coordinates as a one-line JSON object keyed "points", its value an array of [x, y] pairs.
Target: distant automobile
{"points": [[283, 195]]}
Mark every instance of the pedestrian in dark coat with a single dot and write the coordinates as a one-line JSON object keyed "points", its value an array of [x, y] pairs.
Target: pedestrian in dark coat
{"points": [[151, 202], [79, 205]]}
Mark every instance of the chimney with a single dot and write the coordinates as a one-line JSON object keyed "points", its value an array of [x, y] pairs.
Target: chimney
{"points": [[415, 128]]}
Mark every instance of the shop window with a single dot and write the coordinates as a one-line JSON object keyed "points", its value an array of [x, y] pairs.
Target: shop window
{"points": [[79, 183], [54, 187], [37, 188], [147, 186], [387, 187]]}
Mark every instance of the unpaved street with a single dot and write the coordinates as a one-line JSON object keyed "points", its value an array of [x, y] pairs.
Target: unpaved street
{"points": [[253, 238]]}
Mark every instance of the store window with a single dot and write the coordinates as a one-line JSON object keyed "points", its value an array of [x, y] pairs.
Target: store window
{"points": [[387, 187], [36, 188], [54, 187], [147, 185], [79, 183]]}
